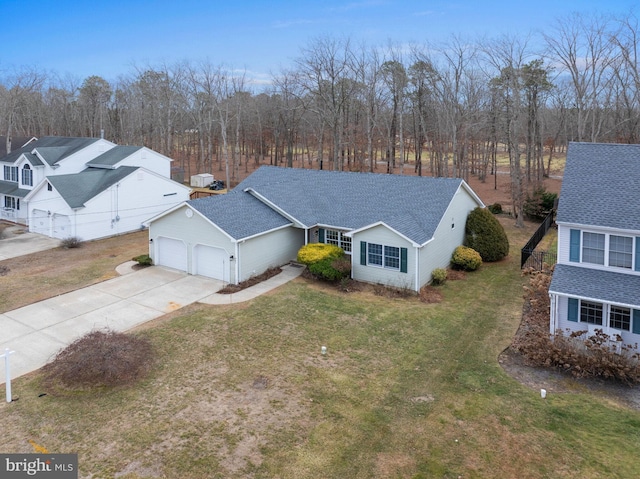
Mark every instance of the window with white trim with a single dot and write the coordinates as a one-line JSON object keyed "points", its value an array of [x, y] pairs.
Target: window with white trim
{"points": [[392, 257], [620, 251], [27, 175], [593, 248], [338, 239], [591, 312], [12, 203], [374, 254], [620, 318], [11, 173]]}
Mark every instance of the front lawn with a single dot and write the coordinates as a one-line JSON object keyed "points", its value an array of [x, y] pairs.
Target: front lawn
{"points": [[406, 390]]}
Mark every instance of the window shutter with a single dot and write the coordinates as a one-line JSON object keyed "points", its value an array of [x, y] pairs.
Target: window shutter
{"points": [[636, 322], [574, 246], [572, 314], [403, 260], [363, 253], [321, 235], [637, 268]]}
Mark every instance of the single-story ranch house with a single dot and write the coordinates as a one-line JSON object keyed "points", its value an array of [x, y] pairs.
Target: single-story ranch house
{"points": [[396, 229], [86, 188]]}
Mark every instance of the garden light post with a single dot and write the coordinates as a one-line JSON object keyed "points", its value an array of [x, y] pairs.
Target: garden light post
{"points": [[7, 372]]}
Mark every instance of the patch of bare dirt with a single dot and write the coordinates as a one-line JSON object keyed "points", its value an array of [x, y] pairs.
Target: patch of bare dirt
{"points": [[234, 288]]}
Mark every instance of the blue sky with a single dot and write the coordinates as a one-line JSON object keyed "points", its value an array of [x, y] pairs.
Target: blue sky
{"points": [[109, 38]]}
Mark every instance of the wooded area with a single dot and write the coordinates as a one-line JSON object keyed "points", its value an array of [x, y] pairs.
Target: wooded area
{"points": [[441, 110]]}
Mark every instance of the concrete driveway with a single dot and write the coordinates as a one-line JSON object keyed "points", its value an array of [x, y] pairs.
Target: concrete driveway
{"points": [[17, 242], [38, 331]]}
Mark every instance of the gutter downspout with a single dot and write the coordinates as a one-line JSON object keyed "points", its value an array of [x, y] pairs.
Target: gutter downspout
{"points": [[237, 258], [417, 269]]}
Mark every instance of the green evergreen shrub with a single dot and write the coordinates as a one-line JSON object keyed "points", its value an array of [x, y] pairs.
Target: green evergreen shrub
{"points": [[539, 204], [485, 234], [438, 276], [326, 269], [495, 208], [143, 260], [466, 259]]}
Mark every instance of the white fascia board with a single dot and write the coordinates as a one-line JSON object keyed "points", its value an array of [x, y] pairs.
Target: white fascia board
{"points": [[599, 229], [382, 223], [595, 300]]}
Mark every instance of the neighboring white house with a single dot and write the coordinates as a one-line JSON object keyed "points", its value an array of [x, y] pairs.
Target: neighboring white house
{"points": [[85, 187], [396, 229], [596, 282]]}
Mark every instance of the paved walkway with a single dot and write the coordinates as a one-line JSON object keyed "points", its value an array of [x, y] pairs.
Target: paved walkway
{"points": [[38, 331]]}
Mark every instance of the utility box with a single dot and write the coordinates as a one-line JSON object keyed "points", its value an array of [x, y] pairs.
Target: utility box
{"points": [[202, 180]]}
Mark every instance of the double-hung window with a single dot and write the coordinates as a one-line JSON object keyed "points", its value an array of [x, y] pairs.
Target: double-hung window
{"points": [[11, 173], [27, 176], [620, 318], [620, 251], [593, 248], [374, 254], [12, 203], [591, 312], [338, 238], [391, 257]]}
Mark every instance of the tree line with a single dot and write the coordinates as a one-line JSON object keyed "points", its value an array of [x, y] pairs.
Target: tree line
{"points": [[443, 110]]}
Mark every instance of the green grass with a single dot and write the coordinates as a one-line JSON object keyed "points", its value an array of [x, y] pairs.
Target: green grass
{"points": [[406, 390]]}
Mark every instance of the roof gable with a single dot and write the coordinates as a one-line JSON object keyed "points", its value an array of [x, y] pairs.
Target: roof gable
{"points": [[52, 149], [78, 188], [599, 187]]}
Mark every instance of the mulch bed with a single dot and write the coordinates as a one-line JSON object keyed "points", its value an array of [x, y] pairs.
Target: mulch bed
{"points": [[234, 288]]}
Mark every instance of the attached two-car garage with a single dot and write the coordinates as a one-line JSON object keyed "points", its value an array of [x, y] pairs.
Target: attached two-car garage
{"points": [[206, 260]]}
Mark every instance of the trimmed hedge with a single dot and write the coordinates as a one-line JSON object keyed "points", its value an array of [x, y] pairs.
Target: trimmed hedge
{"points": [[485, 234], [314, 252], [466, 259], [438, 276]]}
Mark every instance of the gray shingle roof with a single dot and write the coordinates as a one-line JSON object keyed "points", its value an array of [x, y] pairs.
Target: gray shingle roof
{"points": [[113, 156], [11, 188], [76, 189], [411, 205], [600, 186], [52, 148], [239, 214], [609, 286]]}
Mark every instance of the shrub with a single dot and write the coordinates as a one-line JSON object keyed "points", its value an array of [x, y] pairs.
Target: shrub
{"points": [[99, 359], [485, 234], [574, 352], [143, 260], [495, 208], [71, 242], [466, 259], [438, 276], [539, 204], [331, 269], [314, 252]]}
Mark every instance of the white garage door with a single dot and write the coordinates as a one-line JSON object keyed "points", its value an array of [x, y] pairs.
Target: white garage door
{"points": [[61, 226], [39, 222], [211, 262], [171, 253]]}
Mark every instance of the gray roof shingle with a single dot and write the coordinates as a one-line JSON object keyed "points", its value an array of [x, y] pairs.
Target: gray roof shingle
{"points": [[600, 186], [239, 214], [11, 188], [113, 156], [599, 285], [52, 148], [76, 189], [411, 205]]}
